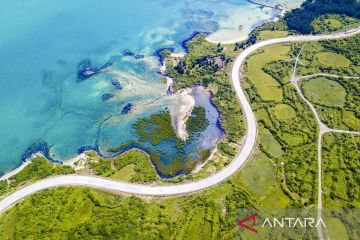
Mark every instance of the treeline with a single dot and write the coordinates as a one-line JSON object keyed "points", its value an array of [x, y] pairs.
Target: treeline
{"points": [[300, 19]]}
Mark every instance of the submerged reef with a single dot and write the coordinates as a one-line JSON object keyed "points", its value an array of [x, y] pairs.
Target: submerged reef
{"points": [[85, 69], [106, 96], [129, 53], [39, 147], [128, 107], [116, 84]]}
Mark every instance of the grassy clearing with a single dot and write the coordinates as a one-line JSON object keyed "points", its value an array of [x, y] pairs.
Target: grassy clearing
{"points": [[268, 88], [350, 119], [347, 116], [337, 230], [331, 59], [267, 34], [275, 199], [293, 139], [125, 173], [284, 112], [324, 91], [269, 143], [132, 166], [258, 182]]}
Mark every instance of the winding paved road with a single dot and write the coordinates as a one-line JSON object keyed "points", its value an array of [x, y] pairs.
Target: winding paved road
{"points": [[225, 173]]}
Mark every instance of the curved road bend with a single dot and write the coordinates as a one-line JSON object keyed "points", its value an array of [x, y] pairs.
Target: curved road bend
{"points": [[225, 173]]}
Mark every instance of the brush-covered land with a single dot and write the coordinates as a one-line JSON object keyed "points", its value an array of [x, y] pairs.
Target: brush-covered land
{"points": [[38, 169], [335, 98]]}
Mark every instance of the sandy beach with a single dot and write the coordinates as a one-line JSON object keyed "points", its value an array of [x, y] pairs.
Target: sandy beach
{"points": [[180, 110]]}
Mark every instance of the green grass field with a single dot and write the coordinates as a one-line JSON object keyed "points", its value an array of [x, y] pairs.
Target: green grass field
{"points": [[325, 92], [284, 112], [331, 59], [267, 34], [257, 182], [132, 166], [337, 230], [269, 143], [351, 120], [125, 173], [267, 87]]}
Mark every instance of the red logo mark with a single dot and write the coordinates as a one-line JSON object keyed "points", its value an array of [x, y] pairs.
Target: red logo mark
{"points": [[253, 218]]}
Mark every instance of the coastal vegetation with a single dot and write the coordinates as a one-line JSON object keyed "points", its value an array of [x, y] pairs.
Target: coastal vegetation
{"points": [[132, 166], [155, 130], [208, 65], [39, 168]]}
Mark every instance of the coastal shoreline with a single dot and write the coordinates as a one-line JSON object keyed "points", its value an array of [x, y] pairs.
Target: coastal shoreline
{"points": [[245, 35], [181, 133]]}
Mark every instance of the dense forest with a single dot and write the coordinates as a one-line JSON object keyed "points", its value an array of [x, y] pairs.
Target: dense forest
{"points": [[300, 19]]}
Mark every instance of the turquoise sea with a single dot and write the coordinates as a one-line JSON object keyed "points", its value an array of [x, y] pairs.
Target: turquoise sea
{"points": [[43, 43]]}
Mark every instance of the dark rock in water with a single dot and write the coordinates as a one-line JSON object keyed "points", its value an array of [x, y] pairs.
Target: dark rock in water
{"points": [[107, 96], [127, 108], [185, 43], [39, 147], [139, 56], [61, 62], [86, 149], [116, 84], [169, 91], [127, 52], [85, 69], [160, 53]]}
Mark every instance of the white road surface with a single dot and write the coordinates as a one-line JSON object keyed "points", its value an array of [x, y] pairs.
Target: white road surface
{"points": [[176, 189]]}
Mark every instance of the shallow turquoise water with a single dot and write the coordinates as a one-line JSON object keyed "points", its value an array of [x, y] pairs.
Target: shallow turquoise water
{"points": [[41, 44]]}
